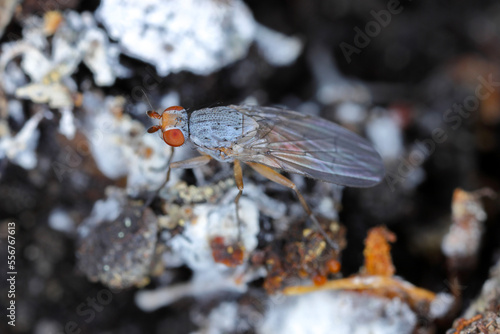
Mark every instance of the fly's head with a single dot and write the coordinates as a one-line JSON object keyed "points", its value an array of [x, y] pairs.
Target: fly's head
{"points": [[173, 125]]}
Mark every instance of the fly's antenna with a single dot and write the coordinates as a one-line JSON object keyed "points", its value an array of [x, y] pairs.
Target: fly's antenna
{"points": [[147, 99]]}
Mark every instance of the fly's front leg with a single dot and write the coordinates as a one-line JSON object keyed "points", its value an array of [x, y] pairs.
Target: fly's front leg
{"points": [[189, 163], [167, 178], [192, 164], [274, 176], [238, 177]]}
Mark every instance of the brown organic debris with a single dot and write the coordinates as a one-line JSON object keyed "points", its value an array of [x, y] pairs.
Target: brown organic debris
{"points": [[483, 315], [376, 276], [231, 255], [119, 253], [309, 257]]}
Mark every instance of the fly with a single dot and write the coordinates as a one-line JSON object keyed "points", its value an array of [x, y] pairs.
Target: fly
{"points": [[269, 139]]}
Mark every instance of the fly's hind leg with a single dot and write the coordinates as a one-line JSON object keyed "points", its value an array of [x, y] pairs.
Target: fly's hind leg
{"points": [[274, 176], [238, 177]]}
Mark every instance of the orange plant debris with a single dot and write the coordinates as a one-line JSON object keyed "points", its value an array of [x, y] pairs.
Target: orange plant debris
{"points": [[376, 276], [378, 260], [319, 280], [333, 266], [379, 285], [462, 323], [51, 21]]}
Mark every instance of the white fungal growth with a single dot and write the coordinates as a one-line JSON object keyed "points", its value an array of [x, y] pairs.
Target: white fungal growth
{"points": [[20, 149], [200, 36]]}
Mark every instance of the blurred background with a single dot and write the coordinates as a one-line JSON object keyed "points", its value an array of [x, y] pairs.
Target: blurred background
{"points": [[97, 251]]}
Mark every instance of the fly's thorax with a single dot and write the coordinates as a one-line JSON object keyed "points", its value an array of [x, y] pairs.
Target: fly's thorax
{"points": [[220, 127]]}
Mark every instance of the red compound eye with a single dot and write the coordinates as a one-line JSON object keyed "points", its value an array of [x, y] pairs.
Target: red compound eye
{"points": [[173, 137], [174, 108]]}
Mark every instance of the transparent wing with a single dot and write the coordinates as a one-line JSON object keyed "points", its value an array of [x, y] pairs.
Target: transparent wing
{"points": [[310, 146]]}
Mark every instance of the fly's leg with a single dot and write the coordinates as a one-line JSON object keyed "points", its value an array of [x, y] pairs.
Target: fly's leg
{"points": [[192, 163], [274, 176], [184, 164], [152, 197], [238, 177]]}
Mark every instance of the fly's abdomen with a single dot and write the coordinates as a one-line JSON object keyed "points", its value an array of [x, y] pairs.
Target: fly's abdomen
{"points": [[218, 127]]}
